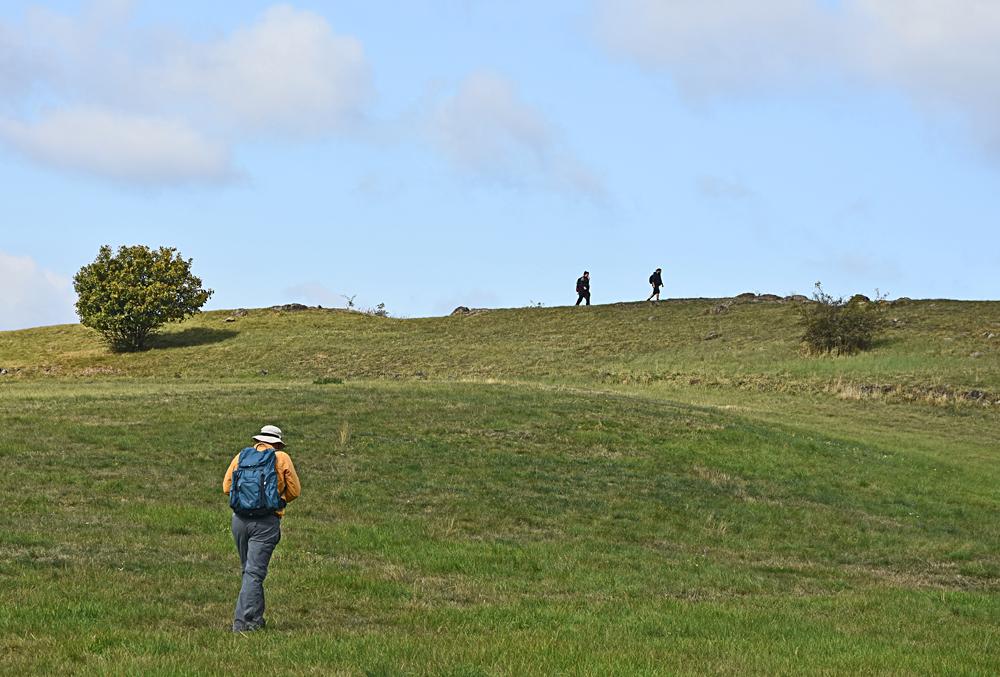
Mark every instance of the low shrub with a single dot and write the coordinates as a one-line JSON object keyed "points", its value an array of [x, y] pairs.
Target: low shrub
{"points": [[835, 325]]}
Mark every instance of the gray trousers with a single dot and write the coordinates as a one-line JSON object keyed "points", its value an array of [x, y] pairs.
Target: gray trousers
{"points": [[255, 540]]}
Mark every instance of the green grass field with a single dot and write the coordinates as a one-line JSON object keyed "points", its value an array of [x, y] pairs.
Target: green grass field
{"points": [[601, 490]]}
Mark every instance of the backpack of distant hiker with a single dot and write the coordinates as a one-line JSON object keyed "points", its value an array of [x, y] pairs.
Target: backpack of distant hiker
{"points": [[254, 492], [651, 280]]}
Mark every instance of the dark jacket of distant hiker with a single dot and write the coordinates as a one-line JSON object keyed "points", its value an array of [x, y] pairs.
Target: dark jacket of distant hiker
{"points": [[656, 280], [583, 289]]}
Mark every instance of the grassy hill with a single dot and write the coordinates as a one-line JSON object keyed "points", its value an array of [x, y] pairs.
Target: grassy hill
{"points": [[626, 489]]}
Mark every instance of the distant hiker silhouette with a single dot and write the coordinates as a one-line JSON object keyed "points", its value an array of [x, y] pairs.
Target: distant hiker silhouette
{"points": [[583, 288], [657, 282]]}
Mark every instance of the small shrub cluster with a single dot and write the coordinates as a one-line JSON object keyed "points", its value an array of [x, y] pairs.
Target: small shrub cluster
{"points": [[835, 325]]}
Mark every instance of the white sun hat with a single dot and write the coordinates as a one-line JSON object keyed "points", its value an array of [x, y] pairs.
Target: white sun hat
{"points": [[270, 434]]}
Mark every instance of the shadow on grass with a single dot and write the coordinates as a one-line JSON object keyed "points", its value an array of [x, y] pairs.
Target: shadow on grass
{"points": [[196, 336], [883, 341]]}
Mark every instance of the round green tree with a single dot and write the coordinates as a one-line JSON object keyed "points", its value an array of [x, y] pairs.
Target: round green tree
{"points": [[129, 295]]}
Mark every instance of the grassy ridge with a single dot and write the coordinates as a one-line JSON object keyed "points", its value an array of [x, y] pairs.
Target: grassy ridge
{"points": [[592, 511], [931, 343]]}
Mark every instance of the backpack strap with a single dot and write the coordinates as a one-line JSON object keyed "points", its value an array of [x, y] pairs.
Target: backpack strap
{"points": [[243, 455]]}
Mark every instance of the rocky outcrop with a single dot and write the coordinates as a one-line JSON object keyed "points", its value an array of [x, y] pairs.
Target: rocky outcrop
{"points": [[465, 310], [747, 297]]}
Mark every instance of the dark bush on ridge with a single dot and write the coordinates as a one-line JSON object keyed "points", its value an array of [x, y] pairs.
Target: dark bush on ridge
{"points": [[836, 325]]}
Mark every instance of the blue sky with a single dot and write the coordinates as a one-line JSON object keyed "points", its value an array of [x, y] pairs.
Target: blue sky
{"points": [[434, 154]]}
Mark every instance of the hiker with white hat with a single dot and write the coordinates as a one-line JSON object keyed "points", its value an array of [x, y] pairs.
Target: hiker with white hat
{"points": [[260, 481]]}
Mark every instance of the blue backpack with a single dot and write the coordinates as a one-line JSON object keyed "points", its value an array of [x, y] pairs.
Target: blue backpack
{"points": [[255, 484]]}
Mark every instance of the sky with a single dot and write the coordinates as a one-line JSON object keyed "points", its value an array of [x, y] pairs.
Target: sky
{"points": [[430, 154]]}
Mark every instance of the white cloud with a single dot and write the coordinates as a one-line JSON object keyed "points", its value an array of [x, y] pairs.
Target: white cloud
{"points": [[287, 73], [485, 126], [940, 53], [119, 146], [487, 129], [12, 67], [720, 45], [178, 105], [32, 296]]}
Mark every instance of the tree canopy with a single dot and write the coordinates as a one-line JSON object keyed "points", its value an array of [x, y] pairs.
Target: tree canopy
{"points": [[129, 295]]}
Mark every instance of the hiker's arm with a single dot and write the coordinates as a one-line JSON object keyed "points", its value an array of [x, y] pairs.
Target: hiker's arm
{"points": [[292, 486], [227, 481]]}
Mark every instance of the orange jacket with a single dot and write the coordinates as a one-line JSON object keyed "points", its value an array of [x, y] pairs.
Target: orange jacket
{"points": [[288, 482]]}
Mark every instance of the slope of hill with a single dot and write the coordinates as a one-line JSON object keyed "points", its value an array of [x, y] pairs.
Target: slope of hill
{"points": [[617, 489], [950, 345]]}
